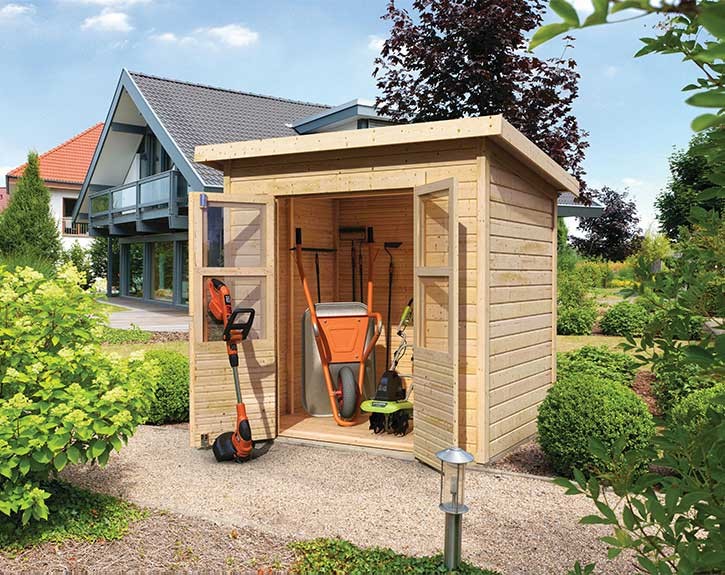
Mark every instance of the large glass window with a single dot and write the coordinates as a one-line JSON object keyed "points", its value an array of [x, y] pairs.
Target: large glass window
{"points": [[184, 263], [135, 269], [162, 271]]}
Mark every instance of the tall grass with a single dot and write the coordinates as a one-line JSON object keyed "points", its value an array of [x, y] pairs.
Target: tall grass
{"points": [[14, 261]]}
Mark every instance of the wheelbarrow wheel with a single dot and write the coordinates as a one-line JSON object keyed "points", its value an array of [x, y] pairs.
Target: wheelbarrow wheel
{"points": [[348, 388]]}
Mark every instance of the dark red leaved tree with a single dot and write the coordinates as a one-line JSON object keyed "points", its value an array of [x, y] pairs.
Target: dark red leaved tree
{"points": [[457, 58]]}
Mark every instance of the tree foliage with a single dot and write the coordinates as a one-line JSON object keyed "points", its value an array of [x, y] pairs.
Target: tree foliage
{"points": [[27, 226], [614, 235], [98, 253], [689, 177], [456, 58]]}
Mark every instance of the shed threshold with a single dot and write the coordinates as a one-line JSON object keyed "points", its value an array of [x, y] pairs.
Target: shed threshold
{"points": [[325, 429]]}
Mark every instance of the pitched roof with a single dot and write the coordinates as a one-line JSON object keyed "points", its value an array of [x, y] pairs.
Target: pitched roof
{"points": [[196, 114], [569, 206], [68, 162]]}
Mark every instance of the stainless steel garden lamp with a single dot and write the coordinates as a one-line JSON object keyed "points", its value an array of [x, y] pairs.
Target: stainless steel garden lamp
{"points": [[453, 473]]}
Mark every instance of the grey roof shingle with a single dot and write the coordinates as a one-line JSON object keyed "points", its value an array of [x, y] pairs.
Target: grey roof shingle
{"points": [[195, 114]]}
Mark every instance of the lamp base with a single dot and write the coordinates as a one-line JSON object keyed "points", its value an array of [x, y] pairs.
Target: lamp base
{"points": [[452, 544]]}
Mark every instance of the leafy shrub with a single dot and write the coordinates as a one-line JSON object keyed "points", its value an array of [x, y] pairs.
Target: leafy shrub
{"points": [[670, 518], [594, 274], [77, 256], [576, 310], [626, 319], [690, 413], [578, 409], [12, 262], [62, 400], [662, 324], [171, 399], [73, 513], [115, 335], [336, 556], [676, 378], [596, 361], [621, 283], [576, 320]]}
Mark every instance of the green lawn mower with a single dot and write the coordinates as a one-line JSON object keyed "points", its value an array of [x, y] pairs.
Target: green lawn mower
{"points": [[391, 409]]}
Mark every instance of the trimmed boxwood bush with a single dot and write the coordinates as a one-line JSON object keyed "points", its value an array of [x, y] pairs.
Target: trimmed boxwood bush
{"points": [[691, 412], [625, 319], [598, 361], [171, 401], [579, 409]]}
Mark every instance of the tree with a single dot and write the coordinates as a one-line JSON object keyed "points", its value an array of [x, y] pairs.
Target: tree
{"points": [[462, 58], [98, 253], [615, 234], [28, 227], [689, 177], [566, 256]]}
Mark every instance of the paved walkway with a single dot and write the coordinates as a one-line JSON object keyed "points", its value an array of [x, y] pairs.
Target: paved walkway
{"points": [[148, 316], [516, 525]]}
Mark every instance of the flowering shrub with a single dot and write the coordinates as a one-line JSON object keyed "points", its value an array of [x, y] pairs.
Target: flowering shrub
{"points": [[61, 399]]}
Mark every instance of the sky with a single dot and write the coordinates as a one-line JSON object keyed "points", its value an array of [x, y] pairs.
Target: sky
{"points": [[61, 59]]}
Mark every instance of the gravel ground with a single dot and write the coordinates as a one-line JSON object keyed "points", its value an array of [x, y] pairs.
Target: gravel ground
{"points": [[517, 525], [161, 543]]}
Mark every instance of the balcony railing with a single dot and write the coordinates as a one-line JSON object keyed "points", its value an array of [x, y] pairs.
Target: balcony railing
{"points": [[68, 228], [158, 196]]}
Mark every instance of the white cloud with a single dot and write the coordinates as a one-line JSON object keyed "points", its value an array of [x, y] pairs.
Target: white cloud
{"points": [[231, 35], [11, 11], [234, 35], [107, 3], [108, 21], [375, 42]]}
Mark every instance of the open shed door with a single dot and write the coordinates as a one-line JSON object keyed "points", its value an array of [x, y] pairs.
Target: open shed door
{"points": [[435, 353], [232, 240]]}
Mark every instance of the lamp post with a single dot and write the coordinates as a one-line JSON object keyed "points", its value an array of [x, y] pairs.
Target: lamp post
{"points": [[453, 463]]}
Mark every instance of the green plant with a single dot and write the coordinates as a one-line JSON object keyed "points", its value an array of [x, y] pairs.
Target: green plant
{"points": [[676, 378], [576, 320], [171, 398], [337, 556], [593, 273], [579, 408], [672, 517], [116, 335], [683, 329], [12, 262], [73, 514], [27, 226], [566, 256], [79, 258], [62, 400], [625, 319], [691, 411], [98, 255], [599, 362]]}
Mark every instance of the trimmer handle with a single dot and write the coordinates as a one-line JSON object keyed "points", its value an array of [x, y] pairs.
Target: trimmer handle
{"points": [[234, 324]]}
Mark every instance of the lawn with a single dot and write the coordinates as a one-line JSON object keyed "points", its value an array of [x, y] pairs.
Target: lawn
{"points": [[104, 305], [571, 342], [126, 349]]}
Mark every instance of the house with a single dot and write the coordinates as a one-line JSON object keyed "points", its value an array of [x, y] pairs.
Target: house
{"points": [[63, 170], [473, 204], [143, 168]]}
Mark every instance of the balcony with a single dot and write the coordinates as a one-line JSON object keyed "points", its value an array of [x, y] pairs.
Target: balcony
{"points": [[154, 204], [68, 228]]}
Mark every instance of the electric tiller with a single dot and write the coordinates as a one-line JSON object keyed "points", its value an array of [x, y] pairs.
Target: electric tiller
{"points": [[391, 409], [235, 444]]}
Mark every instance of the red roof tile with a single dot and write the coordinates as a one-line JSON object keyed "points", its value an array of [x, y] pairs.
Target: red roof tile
{"points": [[69, 161]]}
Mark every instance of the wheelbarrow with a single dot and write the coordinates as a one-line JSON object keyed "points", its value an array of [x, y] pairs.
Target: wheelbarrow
{"points": [[342, 339]]}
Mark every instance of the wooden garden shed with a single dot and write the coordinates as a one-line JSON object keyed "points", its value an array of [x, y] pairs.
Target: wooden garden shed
{"points": [[473, 202]]}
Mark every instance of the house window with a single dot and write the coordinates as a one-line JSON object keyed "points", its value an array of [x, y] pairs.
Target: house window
{"points": [[162, 271], [135, 270], [68, 205]]}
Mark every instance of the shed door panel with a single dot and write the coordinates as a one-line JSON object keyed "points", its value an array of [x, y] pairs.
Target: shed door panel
{"points": [[435, 354], [232, 239]]}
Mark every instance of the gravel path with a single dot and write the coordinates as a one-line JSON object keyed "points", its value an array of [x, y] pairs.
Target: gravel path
{"points": [[516, 525]]}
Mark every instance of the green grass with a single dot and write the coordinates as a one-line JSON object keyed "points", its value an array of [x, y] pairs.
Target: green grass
{"points": [[75, 514], [126, 349], [571, 342], [133, 335], [105, 305], [336, 556]]}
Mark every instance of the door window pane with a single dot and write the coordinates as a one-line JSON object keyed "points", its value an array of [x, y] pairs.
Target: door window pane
{"points": [[184, 272], [234, 235], [245, 292], [162, 271], [434, 222], [135, 270]]}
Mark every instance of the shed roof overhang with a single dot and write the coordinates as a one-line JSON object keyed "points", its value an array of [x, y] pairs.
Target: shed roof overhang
{"points": [[494, 127]]}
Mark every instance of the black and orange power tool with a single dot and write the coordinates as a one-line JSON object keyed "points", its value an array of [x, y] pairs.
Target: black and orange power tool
{"points": [[237, 444]]}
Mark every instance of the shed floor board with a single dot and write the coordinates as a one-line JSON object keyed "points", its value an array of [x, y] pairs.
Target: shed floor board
{"points": [[303, 426]]}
